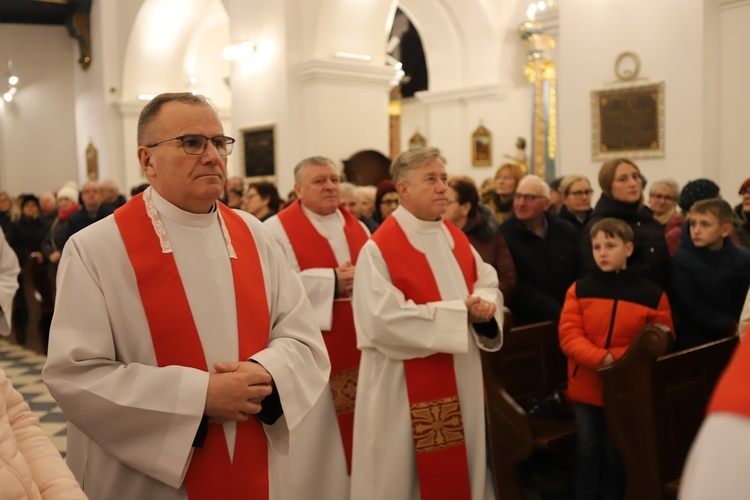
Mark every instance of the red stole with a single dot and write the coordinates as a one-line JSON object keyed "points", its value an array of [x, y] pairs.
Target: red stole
{"points": [[731, 393], [211, 473], [437, 427], [314, 251]]}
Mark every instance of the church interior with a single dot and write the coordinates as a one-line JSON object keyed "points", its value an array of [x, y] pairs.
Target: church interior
{"points": [[360, 82]]}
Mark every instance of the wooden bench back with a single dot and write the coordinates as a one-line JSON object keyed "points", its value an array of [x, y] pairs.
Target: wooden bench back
{"points": [[655, 403], [530, 364]]}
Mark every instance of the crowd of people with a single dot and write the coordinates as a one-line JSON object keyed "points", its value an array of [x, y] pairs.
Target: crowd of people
{"points": [[328, 345]]}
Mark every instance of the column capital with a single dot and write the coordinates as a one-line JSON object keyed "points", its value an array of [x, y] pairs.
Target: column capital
{"points": [[319, 71]]}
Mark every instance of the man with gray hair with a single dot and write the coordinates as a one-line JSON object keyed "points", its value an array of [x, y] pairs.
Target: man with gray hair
{"points": [[322, 241], [182, 351], [111, 194], [424, 305], [546, 253]]}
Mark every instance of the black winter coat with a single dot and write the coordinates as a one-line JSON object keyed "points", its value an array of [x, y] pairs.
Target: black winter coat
{"points": [[708, 291], [545, 268], [650, 253]]}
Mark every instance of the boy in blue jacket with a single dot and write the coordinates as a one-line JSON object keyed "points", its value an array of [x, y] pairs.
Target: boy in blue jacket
{"points": [[710, 276]]}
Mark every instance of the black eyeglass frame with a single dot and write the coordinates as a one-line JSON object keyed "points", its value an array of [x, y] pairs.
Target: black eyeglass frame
{"points": [[229, 143]]}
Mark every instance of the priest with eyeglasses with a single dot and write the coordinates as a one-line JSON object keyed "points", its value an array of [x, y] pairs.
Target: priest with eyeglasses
{"points": [[183, 349]]}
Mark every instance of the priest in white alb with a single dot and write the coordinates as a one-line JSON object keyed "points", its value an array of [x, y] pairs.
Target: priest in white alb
{"points": [[183, 349], [424, 305], [322, 241]]}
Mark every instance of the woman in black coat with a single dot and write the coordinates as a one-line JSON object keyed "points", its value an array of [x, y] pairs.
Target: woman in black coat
{"points": [[622, 198]]}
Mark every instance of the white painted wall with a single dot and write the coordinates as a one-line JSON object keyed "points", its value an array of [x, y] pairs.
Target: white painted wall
{"points": [[677, 44], [38, 148], [733, 167], [323, 106]]}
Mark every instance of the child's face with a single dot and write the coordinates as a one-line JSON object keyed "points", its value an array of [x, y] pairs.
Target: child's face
{"points": [[707, 232], [610, 253]]}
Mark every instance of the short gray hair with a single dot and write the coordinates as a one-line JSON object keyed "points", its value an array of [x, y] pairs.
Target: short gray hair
{"points": [[348, 188], [151, 110], [569, 180], [670, 184], [533, 179], [312, 160], [413, 159]]}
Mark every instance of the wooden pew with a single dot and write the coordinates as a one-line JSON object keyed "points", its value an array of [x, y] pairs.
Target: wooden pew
{"points": [[33, 338], [529, 365], [654, 404]]}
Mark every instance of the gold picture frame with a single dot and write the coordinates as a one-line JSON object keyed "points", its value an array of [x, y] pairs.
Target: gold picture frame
{"points": [[628, 120], [92, 162], [481, 147], [417, 141]]}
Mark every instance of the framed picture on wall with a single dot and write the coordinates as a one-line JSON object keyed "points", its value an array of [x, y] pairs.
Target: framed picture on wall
{"points": [[92, 162], [628, 120], [481, 147], [260, 152], [417, 141]]}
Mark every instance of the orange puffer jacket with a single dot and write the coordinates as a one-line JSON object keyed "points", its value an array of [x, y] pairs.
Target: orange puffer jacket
{"points": [[602, 314], [30, 465]]}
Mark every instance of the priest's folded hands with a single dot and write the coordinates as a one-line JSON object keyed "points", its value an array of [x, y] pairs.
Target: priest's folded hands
{"points": [[236, 390], [480, 310]]}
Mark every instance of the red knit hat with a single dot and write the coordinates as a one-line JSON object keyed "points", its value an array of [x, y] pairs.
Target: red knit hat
{"points": [[745, 185], [386, 186]]}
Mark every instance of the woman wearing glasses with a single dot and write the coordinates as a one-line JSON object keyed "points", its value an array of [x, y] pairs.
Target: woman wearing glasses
{"points": [[622, 198], [577, 193], [662, 199]]}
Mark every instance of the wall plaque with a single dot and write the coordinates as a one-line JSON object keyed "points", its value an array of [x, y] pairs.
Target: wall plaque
{"points": [[628, 121]]}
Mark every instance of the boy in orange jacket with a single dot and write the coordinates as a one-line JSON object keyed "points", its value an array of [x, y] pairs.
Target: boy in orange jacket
{"points": [[601, 315]]}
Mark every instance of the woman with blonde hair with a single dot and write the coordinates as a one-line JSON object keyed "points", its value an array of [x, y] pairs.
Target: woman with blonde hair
{"points": [[507, 178], [576, 193], [622, 198]]}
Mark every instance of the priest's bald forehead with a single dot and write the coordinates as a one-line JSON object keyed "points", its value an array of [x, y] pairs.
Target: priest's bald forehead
{"points": [[151, 110], [413, 159], [313, 160]]}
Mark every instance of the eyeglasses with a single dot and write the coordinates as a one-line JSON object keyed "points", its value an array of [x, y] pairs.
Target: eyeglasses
{"points": [[505, 178], [581, 194], [663, 197], [194, 144], [389, 202], [528, 197], [745, 191]]}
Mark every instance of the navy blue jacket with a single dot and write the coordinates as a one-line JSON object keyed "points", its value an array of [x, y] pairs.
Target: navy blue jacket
{"points": [[708, 291], [545, 268]]}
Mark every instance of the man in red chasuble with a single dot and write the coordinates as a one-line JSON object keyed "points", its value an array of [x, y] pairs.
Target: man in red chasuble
{"points": [[183, 349], [322, 241], [424, 305]]}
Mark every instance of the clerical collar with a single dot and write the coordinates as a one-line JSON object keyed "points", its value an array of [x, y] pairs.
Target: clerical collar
{"points": [[322, 218], [175, 214], [406, 217], [414, 226]]}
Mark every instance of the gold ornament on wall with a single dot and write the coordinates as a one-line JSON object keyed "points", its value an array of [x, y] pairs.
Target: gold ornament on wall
{"points": [[481, 147], [92, 163], [417, 141]]}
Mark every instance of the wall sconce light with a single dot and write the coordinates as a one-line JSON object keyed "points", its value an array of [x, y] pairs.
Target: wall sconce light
{"points": [[12, 83], [239, 49]]}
